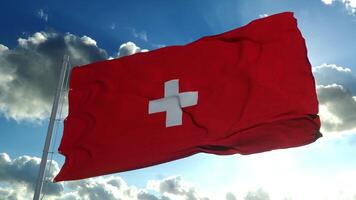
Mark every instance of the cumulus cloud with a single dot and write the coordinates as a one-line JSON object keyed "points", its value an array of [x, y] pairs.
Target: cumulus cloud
{"points": [[18, 176], [18, 193], [110, 188], [3, 48], [349, 4], [17, 179], [29, 72], [129, 48], [21, 173], [328, 74], [337, 108], [336, 86], [114, 188], [175, 188]]}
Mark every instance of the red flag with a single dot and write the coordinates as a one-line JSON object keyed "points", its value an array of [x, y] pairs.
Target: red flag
{"points": [[245, 91]]}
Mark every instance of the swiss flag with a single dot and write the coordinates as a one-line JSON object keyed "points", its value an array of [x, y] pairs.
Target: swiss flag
{"points": [[245, 91]]}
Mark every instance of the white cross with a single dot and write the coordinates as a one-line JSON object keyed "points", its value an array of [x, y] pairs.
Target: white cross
{"points": [[173, 102]]}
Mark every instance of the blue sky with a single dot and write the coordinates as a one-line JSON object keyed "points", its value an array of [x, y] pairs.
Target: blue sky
{"points": [[36, 34]]}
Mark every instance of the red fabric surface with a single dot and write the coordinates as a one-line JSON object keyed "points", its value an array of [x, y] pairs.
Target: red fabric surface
{"points": [[256, 93]]}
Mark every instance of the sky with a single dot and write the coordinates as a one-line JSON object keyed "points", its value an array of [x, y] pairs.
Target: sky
{"points": [[35, 34]]}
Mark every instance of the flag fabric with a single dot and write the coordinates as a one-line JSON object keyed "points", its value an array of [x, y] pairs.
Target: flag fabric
{"points": [[245, 91]]}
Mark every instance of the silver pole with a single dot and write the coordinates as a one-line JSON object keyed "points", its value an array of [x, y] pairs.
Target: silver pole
{"points": [[52, 120]]}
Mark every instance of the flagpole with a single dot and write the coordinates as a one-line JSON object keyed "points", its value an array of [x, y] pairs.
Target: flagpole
{"points": [[52, 120]]}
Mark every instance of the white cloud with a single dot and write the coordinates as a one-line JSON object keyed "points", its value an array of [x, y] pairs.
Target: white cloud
{"points": [[328, 117], [263, 15], [325, 66], [349, 4], [17, 177], [328, 74], [129, 48], [175, 188], [29, 72], [41, 14], [109, 188], [34, 40], [328, 2], [336, 89], [337, 108], [18, 193], [114, 188], [22, 172], [88, 41], [3, 48]]}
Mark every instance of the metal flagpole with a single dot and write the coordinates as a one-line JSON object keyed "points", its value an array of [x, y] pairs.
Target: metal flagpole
{"points": [[52, 120]]}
